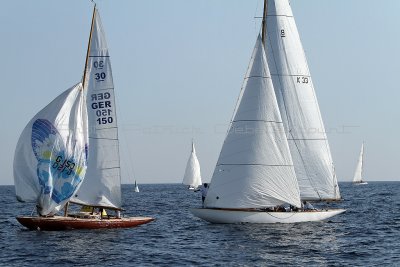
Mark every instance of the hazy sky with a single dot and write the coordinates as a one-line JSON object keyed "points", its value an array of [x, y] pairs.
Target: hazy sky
{"points": [[178, 66]]}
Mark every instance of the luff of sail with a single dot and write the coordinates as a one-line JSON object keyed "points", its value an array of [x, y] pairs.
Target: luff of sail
{"points": [[192, 176], [50, 157], [102, 185], [359, 169], [298, 105], [254, 168]]}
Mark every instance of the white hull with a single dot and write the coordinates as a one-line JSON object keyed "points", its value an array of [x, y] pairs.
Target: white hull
{"points": [[239, 216], [359, 183]]}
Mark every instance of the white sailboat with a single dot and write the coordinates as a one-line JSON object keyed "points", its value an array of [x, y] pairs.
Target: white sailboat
{"points": [[256, 171], [136, 187], [358, 175], [192, 176], [69, 152]]}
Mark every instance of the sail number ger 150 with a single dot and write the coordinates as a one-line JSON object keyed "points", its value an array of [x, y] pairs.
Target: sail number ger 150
{"points": [[101, 104]]}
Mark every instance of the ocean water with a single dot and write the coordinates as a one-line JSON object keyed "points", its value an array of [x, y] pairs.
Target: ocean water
{"points": [[368, 234]]}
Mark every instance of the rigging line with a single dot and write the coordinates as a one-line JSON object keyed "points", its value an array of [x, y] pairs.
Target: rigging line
{"points": [[255, 17], [126, 148]]}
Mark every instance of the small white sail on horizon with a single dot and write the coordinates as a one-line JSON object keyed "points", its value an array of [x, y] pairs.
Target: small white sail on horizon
{"points": [[192, 176], [136, 187], [358, 174]]}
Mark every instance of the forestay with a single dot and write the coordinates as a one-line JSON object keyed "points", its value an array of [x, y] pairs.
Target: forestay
{"points": [[254, 168], [298, 105], [50, 157], [192, 175], [102, 185]]}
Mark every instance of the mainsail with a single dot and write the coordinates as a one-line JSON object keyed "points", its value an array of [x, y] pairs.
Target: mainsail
{"points": [[102, 185], [50, 157], [192, 175], [298, 105], [359, 169], [254, 168]]}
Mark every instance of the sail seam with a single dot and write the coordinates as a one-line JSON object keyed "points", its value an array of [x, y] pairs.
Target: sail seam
{"points": [[258, 76], [99, 56], [257, 120], [291, 75], [101, 89], [280, 16], [256, 164], [310, 139], [102, 138], [107, 128], [110, 168]]}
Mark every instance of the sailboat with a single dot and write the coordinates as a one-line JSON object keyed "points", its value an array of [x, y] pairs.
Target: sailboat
{"points": [[192, 177], [272, 159], [136, 187], [69, 152], [358, 175]]}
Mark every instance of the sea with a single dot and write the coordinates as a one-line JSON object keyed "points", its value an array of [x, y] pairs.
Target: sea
{"points": [[367, 234]]}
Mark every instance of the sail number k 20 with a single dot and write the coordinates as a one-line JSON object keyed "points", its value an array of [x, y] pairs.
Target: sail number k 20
{"points": [[101, 105]]}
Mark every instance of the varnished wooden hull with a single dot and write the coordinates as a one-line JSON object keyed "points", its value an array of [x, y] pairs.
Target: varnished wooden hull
{"points": [[58, 223]]}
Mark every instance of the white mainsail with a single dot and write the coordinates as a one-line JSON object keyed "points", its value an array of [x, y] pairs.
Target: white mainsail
{"points": [[50, 157], [359, 169], [102, 185], [254, 168], [192, 175], [298, 105]]}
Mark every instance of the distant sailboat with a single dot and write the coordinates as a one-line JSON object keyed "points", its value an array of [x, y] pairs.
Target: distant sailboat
{"points": [[69, 153], [192, 177], [358, 175], [136, 187], [259, 169]]}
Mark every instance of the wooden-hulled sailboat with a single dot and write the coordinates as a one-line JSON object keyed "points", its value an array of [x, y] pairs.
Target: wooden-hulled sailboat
{"points": [[358, 174], [69, 152], [271, 161], [192, 176]]}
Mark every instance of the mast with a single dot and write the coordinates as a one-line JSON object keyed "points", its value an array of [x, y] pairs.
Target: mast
{"points": [[264, 22], [88, 48]]}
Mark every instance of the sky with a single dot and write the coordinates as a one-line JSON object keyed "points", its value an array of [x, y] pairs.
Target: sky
{"points": [[178, 67]]}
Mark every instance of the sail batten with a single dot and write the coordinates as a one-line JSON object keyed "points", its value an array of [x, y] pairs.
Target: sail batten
{"points": [[298, 105]]}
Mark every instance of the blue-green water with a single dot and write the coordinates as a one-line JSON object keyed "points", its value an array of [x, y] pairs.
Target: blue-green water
{"points": [[368, 234]]}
